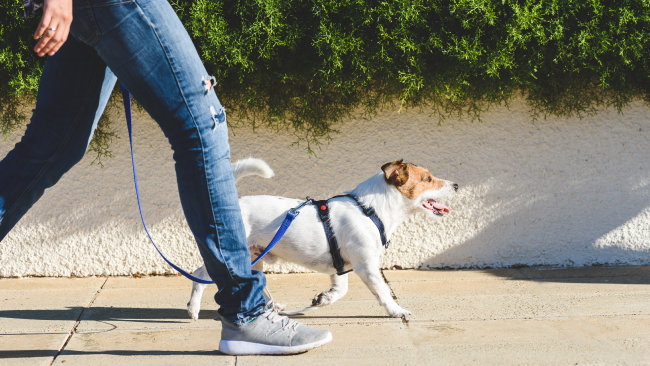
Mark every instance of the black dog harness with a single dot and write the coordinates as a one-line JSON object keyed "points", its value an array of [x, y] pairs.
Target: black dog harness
{"points": [[335, 250]]}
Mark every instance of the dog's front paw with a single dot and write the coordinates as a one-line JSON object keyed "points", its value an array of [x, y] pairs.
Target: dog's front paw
{"points": [[398, 312], [322, 299]]}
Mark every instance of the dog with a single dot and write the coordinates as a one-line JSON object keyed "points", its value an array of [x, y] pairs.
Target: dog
{"points": [[398, 191]]}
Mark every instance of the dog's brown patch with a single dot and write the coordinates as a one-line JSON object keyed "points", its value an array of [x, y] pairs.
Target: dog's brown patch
{"points": [[410, 179]]}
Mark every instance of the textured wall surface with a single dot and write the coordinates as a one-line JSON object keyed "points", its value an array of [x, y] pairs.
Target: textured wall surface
{"points": [[558, 192]]}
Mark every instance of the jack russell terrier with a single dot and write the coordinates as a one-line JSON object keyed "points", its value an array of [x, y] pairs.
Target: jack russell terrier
{"points": [[360, 224]]}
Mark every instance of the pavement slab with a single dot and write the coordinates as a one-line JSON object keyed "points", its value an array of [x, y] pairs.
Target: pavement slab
{"points": [[37, 316], [528, 316], [30, 349], [145, 347], [549, 293], [156, 303], [44, 304]]}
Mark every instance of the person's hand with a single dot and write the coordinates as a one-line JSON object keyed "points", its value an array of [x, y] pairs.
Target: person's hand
{"points": [[54, 27]]}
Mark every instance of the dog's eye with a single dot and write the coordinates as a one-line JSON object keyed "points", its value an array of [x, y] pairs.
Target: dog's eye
{"points": [[429, 179]]}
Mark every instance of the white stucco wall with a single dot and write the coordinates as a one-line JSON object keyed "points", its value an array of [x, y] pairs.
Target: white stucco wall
{"points": [[559, 192]]}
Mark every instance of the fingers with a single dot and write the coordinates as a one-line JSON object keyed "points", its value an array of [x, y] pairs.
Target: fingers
{"points": [[42, 26], [53, 38], [53, 30]]}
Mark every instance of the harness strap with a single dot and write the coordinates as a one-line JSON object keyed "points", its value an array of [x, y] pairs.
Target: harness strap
{"points": [[324, 214], [370, 212], [335, 250]]}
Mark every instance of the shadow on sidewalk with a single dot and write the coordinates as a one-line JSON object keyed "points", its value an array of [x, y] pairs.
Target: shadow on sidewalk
{"points": [[137, 315], [639, 275], [147, 315], [52, 353]]}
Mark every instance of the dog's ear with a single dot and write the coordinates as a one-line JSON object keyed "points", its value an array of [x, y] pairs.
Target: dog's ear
{"points": [[395, 172]]}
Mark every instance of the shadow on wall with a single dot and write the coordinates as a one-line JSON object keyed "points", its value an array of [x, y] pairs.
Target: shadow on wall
{"points": [[562, 193], [556, 229]]}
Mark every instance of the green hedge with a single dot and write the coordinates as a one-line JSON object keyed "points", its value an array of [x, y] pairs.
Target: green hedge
{"points": [[305, 65]]}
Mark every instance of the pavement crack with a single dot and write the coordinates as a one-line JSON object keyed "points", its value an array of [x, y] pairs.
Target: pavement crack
{"points": [[73, 331]]}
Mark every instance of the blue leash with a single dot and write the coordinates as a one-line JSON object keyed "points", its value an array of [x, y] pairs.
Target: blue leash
{"points": [[291, 214]]}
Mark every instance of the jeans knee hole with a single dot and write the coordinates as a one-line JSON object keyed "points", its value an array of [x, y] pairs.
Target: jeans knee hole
{"points": [[208, 83], [218, 117]]}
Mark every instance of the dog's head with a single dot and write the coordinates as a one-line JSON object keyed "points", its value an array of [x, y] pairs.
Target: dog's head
{"points": [[419, 186]]}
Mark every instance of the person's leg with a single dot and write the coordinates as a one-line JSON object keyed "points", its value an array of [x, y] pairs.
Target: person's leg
{"points": [[146, 46], [73, 92]]}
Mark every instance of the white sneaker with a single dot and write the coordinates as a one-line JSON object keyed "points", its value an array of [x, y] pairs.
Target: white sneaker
{"points": [[270, 333]]}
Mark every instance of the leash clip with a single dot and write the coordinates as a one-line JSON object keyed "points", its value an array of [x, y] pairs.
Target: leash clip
{"points": [[296, 210]]}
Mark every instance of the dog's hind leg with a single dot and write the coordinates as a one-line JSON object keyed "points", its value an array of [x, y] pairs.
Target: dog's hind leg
{"points": [[338, 290], [194, 305]]}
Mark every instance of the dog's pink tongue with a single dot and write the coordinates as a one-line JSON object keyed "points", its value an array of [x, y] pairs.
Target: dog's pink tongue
{"points": [[439, 206]]}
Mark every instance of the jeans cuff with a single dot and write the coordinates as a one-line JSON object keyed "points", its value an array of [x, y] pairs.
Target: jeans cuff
{"points": [[243, 318]]}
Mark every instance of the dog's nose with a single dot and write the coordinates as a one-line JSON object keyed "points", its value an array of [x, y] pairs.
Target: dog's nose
{"points": [[455, 187]]}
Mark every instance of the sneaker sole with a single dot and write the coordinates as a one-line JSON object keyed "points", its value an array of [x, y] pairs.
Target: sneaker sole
{"points": [[250, 348]]}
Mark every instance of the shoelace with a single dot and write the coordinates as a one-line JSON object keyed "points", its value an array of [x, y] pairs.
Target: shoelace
{"points": [[272, 314], [275, 317], [286, 324]]}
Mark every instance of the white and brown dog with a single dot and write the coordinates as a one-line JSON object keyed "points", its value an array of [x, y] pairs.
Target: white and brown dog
{"points": [[398, 191]]}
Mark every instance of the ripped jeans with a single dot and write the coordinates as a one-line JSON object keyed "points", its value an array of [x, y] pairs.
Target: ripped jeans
{"points": [[144, 44]]}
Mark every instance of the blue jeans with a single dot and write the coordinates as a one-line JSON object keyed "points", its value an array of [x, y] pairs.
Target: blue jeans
{"points": [[144, 44]]}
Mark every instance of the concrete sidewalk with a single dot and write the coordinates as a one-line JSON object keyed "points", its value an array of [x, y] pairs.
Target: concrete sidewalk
{"points": [[585, 316]]}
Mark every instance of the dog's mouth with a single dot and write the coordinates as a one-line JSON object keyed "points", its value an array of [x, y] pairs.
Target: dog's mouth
{"points": [[435, 207]]}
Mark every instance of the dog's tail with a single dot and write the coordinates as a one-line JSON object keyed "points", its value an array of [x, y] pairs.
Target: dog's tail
{"points": [[251, 166]]}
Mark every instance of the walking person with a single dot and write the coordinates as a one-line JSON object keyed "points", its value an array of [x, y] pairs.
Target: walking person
{"points": [[89, 45]]}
